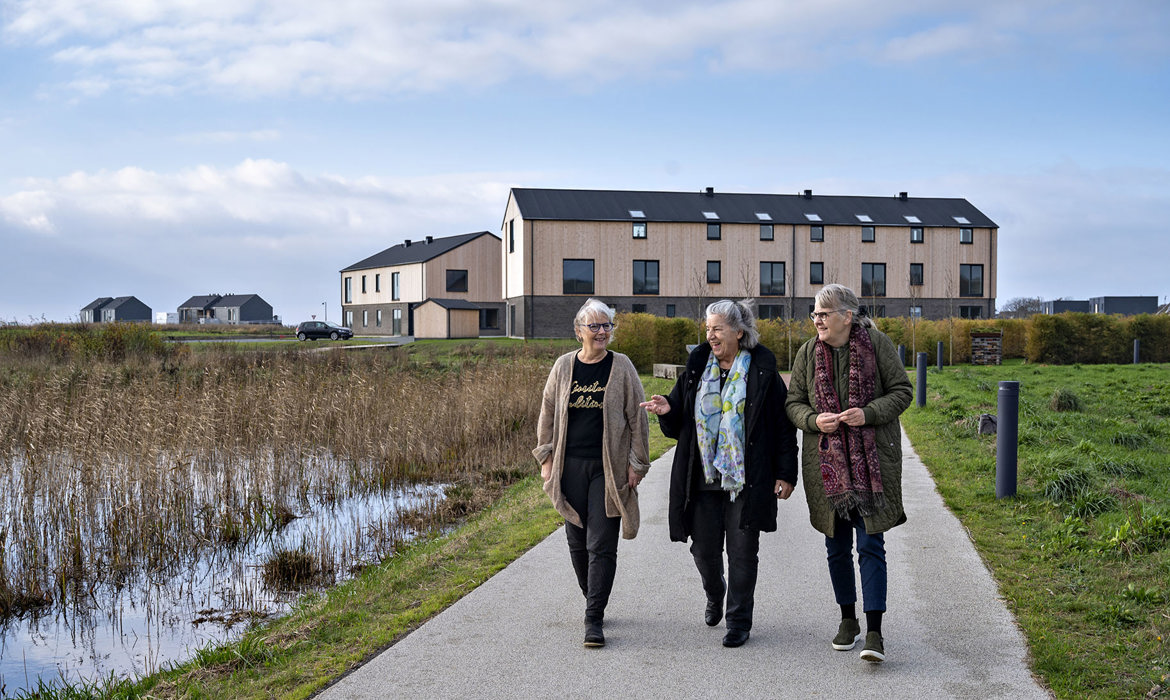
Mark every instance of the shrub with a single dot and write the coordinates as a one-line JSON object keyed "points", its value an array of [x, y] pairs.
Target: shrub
{"points": [[1064, 400], [649, 339]]}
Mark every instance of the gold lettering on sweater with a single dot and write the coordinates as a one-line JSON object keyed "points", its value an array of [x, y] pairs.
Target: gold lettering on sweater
{"points": [[584, 396]]}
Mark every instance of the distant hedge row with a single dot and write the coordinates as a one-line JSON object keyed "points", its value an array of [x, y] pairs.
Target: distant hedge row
{"points": [[65, 341], [1067, 338]]}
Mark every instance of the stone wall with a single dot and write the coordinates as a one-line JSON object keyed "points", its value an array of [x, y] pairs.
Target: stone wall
{"points": [[987, 348]]}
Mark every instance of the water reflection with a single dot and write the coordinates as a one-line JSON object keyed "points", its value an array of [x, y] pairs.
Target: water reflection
{"points": [[153, 620]]}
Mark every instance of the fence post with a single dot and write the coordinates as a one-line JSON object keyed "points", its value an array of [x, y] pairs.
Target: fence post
{"points": [[1007, 439], [921, 379], [938, 356], [1137, 351]]}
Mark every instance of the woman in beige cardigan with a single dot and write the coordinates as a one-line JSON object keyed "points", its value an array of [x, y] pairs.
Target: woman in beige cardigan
{"points": [[593, 448]]}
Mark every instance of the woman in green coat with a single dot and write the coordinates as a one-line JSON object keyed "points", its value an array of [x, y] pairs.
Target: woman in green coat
{"points": [[848, 389]]}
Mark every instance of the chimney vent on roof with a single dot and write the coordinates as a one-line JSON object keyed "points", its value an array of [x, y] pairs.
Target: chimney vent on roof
{"points": [[406, 243], [710, 191], [808, 194], [903, 195], [430, 239]]}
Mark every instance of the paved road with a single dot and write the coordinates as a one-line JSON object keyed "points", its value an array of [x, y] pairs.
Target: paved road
{"points": [[947, 632]]}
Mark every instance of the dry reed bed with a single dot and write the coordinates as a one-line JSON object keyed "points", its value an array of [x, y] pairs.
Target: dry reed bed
{"points": [[108, 471]]}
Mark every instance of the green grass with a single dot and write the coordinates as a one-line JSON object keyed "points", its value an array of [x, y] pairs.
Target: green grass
{"points": [[1082, 553]]}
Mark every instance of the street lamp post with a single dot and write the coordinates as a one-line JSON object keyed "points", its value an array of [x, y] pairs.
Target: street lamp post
{"points": [[326, 305]]}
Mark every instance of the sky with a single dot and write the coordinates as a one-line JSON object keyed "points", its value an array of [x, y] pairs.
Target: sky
{"points": [[169, 148]]}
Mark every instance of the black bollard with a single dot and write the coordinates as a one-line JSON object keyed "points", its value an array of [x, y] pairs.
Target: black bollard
{"points": [[1137, 351], [938, 357], [1007, 439], [902, 354], [921, 379]]}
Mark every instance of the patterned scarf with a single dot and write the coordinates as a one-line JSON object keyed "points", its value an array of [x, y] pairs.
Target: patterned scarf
{"points": [[719, 422], [849, 458]]}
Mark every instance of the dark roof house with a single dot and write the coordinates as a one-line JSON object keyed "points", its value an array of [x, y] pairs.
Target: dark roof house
{"points": [[91, 312]]}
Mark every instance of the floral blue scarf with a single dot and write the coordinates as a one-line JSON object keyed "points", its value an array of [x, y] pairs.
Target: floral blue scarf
{"points": [[719, 422]]}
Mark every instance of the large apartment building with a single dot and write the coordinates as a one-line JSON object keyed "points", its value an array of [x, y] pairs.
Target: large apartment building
{"points": [[671, 253], [461, 274]]}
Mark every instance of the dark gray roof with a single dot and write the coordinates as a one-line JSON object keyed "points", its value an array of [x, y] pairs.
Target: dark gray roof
{"points": [[450, 303], [233, 300], [200, 302], [97, 303], [416, 252], [118, 301], [616, 205]]}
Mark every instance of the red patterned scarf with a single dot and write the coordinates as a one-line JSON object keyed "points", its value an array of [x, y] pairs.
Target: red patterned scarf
{"points": [[849, 458]]}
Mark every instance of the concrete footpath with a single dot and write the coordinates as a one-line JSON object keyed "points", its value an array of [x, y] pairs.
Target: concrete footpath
{"points": [[519, 635]]}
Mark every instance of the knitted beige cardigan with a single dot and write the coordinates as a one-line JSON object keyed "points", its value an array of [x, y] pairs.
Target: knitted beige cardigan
{"points": [[625, 439]]}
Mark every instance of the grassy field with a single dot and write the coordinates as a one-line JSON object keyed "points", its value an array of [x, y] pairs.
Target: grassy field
{"points": [[1082, 553]]}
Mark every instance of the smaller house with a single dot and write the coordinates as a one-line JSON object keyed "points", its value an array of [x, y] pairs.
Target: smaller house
{"points": [[125, 309], [242, 308], [196, 308], [92, 312], [446, 318], [1059, 306], [1125, 306]]}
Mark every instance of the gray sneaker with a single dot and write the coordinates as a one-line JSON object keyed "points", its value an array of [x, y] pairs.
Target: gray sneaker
{"points": [[873, 652], [847, 635]]}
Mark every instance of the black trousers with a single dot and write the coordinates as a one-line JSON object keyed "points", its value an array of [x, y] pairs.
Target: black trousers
{"points": [[593, 548], [714, 520]]}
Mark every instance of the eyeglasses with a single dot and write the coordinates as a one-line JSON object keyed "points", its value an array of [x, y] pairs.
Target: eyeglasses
{"points": [[594, 327], [822, 315]]}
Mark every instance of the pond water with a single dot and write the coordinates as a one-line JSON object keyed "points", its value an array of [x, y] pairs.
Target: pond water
{"points": [[157, 620]]}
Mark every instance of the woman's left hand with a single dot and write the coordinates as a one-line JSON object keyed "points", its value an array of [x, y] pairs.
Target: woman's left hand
{"points": [[783, 489], [633, 477], [853, 417]]}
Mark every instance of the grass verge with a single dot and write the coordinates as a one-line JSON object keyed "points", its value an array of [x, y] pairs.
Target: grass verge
{"points": [[1082, 552]]}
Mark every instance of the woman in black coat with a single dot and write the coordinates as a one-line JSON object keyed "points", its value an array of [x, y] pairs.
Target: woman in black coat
{"points": [[736, 455]]}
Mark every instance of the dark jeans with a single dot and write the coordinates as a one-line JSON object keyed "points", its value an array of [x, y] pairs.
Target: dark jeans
{"points": [[593, 548], [714, 519], [871, 558]]}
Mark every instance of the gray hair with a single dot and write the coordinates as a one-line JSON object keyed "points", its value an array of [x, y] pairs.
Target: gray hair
{"points": [[592, 307], [739, 316], [840, 297]]}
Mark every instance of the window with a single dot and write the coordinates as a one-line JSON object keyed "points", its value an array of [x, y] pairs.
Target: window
{"points": [[637, 213], [670, 311], [767, 233], [915, 274], [912, 219], [714, 233], [512, 236], [816, 273], [763, 216], [365, 318], [456, 280], [489, 319], [878, 311], [813, 217], [915, 312], [394, 286], [970, 312], [970, 280], [710, 215], [775, 311], [816, 233], [916, 234], [577, 276], [378, 318], [645, 277], [867, 234], [771, 279], [873, 279], [377, 283], [639, 229], [349, 319], [638, 308], [363, 284], [396, 322], [714, 271], [348, 290], [965, 236], [960, 220], [512, 318]]}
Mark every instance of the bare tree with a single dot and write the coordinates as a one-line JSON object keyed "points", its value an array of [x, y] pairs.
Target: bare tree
{"points": [[697, 292], [915, 303], [1022, 307], [747, 279], [951, 292]]}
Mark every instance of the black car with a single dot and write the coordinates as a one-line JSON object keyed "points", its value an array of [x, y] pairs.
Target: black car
{"points": [[312, 330]]}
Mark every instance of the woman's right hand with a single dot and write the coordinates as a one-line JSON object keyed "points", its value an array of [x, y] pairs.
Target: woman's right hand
{"points": [[828, 422], [658, 405], [546, 469]]}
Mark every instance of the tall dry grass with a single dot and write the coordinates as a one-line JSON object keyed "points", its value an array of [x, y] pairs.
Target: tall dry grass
{"points": [[112, 469]]}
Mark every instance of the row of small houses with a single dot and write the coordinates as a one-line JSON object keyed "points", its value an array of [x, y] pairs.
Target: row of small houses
{"points": [[210, 308]]}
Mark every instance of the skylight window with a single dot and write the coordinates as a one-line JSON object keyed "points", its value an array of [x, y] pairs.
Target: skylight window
{"points": [[710, 215], [864, 218], [763, 216], [961, 220], [637, 214], [813, 217], [913, 219]]}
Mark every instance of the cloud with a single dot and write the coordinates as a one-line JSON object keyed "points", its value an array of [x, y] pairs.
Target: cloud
{"points": [[358, 48]]}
